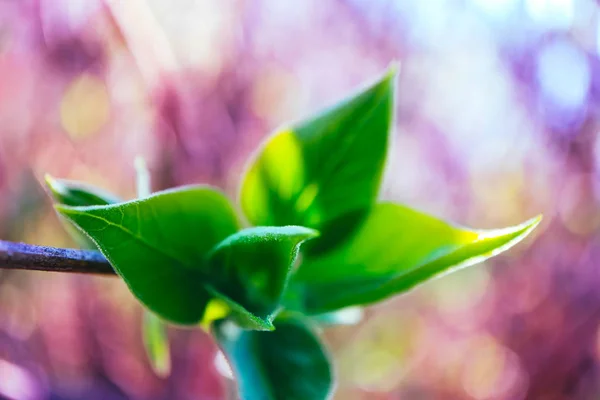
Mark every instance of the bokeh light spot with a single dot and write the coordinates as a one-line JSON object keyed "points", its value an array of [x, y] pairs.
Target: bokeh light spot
{"points": [[84, 108], [388, 347], [577, 205], [492, 371], [563, 73], [222, 365], [557, 14], [461, 290], [16, 382], [497, 8]]}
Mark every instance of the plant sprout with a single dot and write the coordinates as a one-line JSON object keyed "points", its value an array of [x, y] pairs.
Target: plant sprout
{"points": [[313, 241]]}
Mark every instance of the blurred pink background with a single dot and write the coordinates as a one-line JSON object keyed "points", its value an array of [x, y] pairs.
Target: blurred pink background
{"points": [[497, 121]]}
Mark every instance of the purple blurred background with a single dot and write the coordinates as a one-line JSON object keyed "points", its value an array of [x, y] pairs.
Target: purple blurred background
{"points": [[497, 121]]}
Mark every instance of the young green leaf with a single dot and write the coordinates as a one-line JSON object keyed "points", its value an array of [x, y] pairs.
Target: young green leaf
{"points": [[288, 363], [240, 315], [251, 268], [158, 245], [156, 343], [325, 166], [73, 193], [393, 250]]}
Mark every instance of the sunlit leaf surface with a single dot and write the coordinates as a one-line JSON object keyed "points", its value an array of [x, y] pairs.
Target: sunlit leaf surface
{"points": [[394, 249], [325, 166], [158, 245]]}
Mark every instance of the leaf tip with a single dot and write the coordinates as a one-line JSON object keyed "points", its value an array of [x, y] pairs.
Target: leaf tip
{"points": [[529, 225], [50, 181], [63, 209], [310, 233], [393, 70], [299, 233], [513, 235], [305, 234], [538, 218], [55, 185], [269, 327]]}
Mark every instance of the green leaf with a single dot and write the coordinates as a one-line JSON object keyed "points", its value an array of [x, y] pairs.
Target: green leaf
{"points": [[158, 245], [325, 166], [73, 193], [156, 343], [288, 363], [394, 249], [236, 312], [251, 268]]}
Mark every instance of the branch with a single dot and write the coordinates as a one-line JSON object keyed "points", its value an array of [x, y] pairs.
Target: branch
{"points": [[40, 258]]}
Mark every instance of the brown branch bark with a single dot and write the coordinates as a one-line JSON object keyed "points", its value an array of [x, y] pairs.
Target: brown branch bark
{"points": [[40, 258]]}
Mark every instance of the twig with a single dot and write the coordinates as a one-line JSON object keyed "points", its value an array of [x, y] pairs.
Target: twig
{"points": [[40, 258]]}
